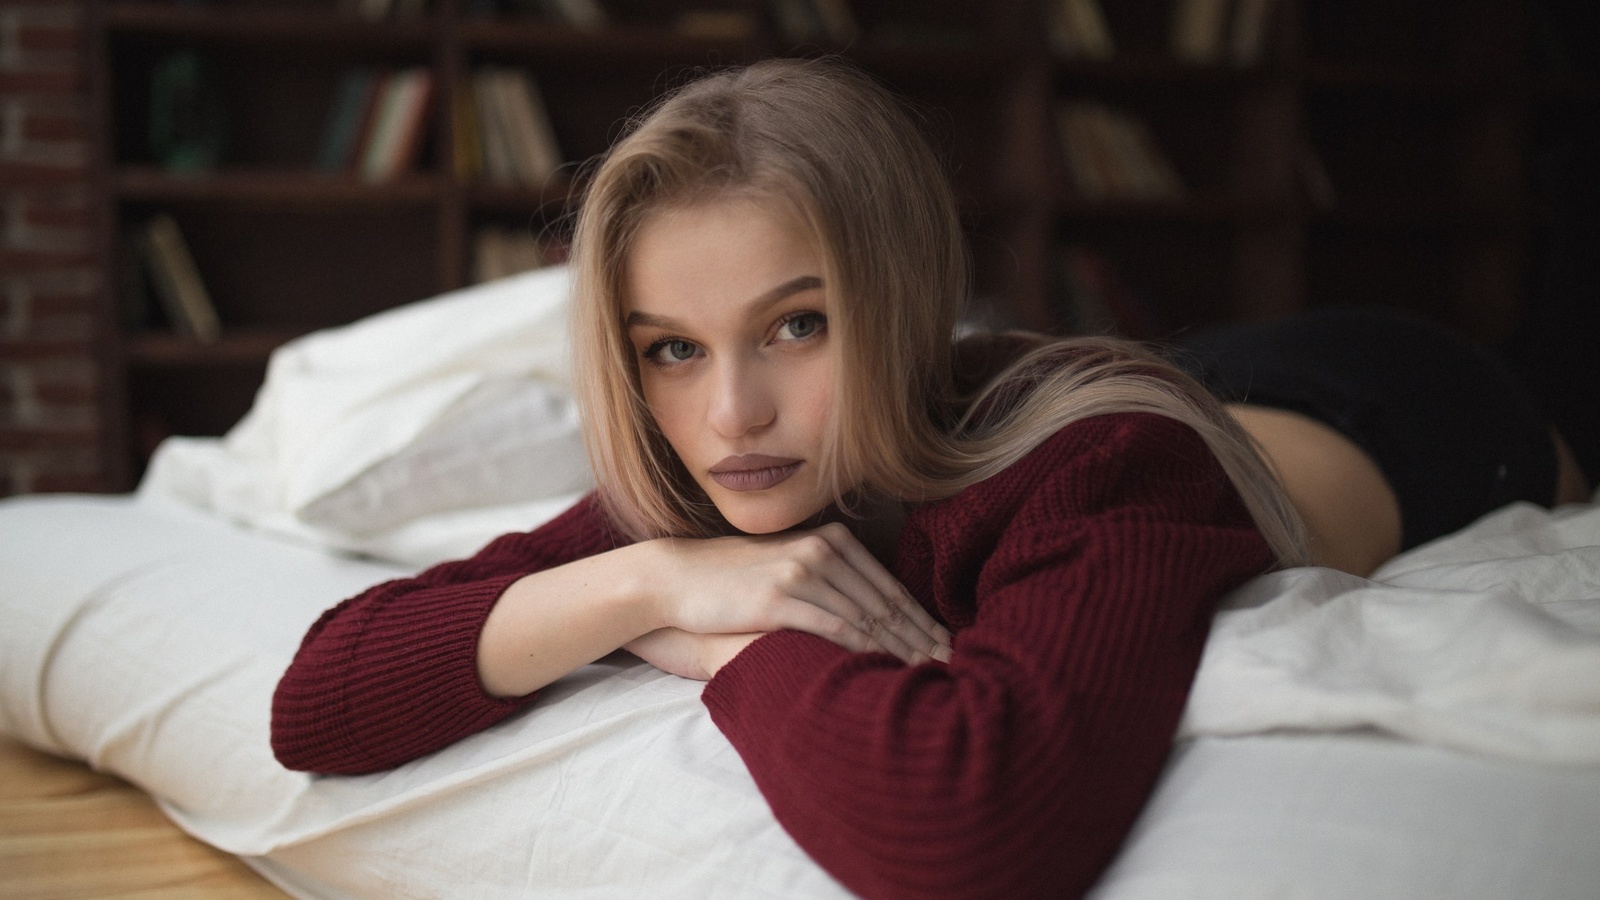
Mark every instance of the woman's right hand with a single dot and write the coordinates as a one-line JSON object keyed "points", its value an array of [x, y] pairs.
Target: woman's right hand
{"points": [[821, 581]]}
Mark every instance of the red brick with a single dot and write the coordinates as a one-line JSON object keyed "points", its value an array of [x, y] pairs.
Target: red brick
{"points": [[46, 483], [55, 36], [23, 262], [15, 439], [50, 303], [63, 394], [62, 208], [64, 349], [63, 79], [50, 125], [15, 173]]}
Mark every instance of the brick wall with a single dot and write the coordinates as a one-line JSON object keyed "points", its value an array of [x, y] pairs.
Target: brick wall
{"points": [[50, 291]]}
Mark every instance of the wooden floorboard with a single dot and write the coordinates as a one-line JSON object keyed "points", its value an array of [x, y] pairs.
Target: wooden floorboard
{"points": [[68, 832]]}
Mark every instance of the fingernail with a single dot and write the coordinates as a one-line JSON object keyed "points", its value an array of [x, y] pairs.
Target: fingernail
{"points": [[941, 653]]}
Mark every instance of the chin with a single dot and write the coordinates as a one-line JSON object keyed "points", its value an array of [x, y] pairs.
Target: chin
{"points": [[764, 518], [762, 523]]}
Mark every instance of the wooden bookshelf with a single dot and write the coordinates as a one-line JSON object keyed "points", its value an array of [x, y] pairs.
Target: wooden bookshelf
{"points": [[1419, 116]]}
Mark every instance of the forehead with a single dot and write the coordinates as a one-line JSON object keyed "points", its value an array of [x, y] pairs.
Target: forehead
{"points": [[729, 247]]}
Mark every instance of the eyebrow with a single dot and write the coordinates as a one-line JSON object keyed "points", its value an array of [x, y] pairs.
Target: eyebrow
{"points": [[760, 304]]}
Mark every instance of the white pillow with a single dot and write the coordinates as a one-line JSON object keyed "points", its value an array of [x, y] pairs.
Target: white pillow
{"points": [[509, 440], [414, 434]]}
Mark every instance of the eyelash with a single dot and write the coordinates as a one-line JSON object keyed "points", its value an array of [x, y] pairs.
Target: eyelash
{"points": [[652, 353]]}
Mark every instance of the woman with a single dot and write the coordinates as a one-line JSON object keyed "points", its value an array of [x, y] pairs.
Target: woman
{"points": [[949, 598]]}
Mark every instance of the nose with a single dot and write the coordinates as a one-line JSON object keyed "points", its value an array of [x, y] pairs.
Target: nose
{"points": [[741, 400]]}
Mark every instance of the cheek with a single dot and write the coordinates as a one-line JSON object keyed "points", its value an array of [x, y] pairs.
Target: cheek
{"points": [[671, 411]]}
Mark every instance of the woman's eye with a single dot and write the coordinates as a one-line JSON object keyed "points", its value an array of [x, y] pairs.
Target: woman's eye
{"points": [[670, 351], [802, 326]]}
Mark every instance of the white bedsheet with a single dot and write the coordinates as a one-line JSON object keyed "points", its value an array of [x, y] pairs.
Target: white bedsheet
{"points": [[1487, 640], [147, 639]]}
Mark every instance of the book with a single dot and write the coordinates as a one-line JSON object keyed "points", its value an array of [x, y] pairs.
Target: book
{"points": [[584, 15], [177, 281], [494, 144], [838, 21], [1197, 30], [502, 252], [715, 24], [1314, 178], [536, 152], [466, 133], [1248, 37], [519, 141], [398, 125], [341, 137], [1078, 30], [1113, 155], [797, 20]]}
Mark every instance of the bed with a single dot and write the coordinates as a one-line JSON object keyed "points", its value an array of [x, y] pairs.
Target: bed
{"points": [[1433, 731]]}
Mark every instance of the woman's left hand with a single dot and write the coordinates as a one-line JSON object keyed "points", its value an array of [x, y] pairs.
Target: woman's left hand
{"points": [[686, 654]]}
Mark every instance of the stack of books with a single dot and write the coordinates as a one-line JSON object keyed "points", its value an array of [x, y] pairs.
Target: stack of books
{"points": [[502, 130], [584, 15], [500, 252], [1208, 32], [1113, 156], [829, 21], [377, 123], [378, 10], [1078, 30]]}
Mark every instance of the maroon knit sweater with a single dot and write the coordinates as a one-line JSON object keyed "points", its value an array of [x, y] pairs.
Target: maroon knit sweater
{"points": [[1080, 585]]}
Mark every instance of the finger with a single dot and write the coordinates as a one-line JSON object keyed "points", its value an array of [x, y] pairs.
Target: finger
{"points": [[922, 629], [801, 615], [848, 594]]}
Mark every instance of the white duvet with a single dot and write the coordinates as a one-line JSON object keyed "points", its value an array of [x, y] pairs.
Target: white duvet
{"points": [[1431, 732]]}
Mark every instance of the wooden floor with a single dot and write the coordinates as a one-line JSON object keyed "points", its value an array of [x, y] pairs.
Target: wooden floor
{"points": [[66, 831]]}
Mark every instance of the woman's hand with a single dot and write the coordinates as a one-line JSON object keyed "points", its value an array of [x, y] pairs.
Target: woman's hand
{"points": [[686, 654], [821, 581]]}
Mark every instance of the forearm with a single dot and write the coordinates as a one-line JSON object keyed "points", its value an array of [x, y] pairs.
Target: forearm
{"points": [[552, 622]]}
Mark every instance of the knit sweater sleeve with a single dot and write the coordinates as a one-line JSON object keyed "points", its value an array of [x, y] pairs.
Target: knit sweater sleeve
{"points": [[391, 674], [1081, 583]]}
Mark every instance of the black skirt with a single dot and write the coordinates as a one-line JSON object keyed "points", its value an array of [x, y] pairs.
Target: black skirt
{"points": [[1447, 423]]}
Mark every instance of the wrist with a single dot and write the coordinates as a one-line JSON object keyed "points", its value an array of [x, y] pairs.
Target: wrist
{"points": [[641, 578], [725, 648]]}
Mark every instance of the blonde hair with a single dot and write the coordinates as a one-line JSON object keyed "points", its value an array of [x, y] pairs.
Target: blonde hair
{"points": [[839, 152]]}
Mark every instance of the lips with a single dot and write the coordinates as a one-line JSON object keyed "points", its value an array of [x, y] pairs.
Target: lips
{"points": [[753, 472]]}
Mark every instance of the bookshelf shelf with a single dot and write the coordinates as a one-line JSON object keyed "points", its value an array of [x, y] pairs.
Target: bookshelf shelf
{"points": [[1215, 208], [1363, 151], [556, 42], [267, 25], [553, 196], [257, 187], [161, 350], [1162, 71]]}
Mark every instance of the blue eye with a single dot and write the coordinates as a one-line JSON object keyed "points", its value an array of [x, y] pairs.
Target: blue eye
{"points": [[802, 326], [670, 351]]}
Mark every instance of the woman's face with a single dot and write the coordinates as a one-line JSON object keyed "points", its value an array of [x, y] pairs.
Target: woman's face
{"points": [[728, 314]]}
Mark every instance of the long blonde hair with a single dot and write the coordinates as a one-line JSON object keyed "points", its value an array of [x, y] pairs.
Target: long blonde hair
{"points": [[842, 154]]}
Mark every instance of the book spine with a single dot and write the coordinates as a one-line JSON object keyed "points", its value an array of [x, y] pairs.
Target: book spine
{"points": [[413, 125], [535, 152], [177, 281], [496, 142], [1086, 31], [1197, 30], [344, 120]]}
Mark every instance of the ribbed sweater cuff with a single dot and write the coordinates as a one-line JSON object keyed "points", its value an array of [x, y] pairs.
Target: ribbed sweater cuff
{"points": [[768, 676], [403, 668]]}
